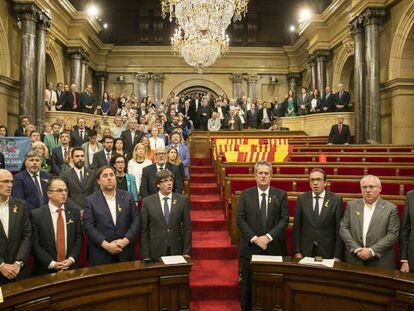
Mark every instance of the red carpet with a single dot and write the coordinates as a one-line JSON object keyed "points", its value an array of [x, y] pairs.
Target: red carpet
{"points": [[213, 279]]}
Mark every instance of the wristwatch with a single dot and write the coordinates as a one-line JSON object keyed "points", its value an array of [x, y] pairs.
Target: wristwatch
{"points": [[19, 263]]}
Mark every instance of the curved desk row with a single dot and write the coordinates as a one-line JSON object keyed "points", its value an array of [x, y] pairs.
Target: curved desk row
{"points": [[290, 286], [123, 286]]}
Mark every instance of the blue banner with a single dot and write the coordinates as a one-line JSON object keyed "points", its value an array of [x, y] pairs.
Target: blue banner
{"points": [[14, 150]]}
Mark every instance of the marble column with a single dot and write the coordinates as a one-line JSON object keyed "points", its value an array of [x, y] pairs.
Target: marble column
{"points": [[40, 82], [322, 57], [27, 14], [76, 55], [101, 76], [314, 72], [372, 20], [143, 85], [357, 30], [293, 81], [237, 85], [84, 67], [251, 83], [158, 83]]}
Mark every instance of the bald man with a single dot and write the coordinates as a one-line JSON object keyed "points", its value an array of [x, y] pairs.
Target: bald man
{"points": [[148, 186], [15, 232]]}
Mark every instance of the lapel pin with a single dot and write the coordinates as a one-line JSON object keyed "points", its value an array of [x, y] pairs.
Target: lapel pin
{"points": [[270, 200], [87, 174], [70, 221], [326, 203], [15, 209], [119, 208], [174, 201], [357, 213]]}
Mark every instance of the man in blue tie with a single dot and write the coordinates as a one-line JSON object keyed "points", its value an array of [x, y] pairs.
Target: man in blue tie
{"points": [[166, 224]]}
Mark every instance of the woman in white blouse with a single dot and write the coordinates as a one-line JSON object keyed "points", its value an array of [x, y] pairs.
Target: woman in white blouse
{"points": [[137, 163], [155, 141]]}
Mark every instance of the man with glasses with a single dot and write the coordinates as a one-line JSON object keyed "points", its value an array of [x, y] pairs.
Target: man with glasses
{"points": [[370, 227], [262, 218], [14, 234], [111, 221], [31, 183], [131, 136], [318, 214], [58, 251], [148, 185], [80, 180], [167, 233]]}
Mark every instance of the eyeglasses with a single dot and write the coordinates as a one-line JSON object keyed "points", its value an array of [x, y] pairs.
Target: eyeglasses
{"points": [[59, 190], [316, 179]]}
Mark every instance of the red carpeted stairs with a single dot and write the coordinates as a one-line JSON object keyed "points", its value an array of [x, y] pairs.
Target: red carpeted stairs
{"points": [[213, 279]]}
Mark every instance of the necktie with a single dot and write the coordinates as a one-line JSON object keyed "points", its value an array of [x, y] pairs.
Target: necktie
{"points": [[316, 210], [108, 157], [263, 210], [160, 168], [38, 188], [340, 129], [65, 150], [60, 236], [166, 210], [132, 137], [81, 177], [81, 134]]}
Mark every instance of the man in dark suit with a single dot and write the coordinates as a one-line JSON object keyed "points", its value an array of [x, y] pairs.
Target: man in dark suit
{"points": [[72, 99], [111, 220], [252, 117], [21, 130], [370, 227], [341, 99], [79, 134], [30, 184], [340, 133], [406, 235], [131, 136], [80, 181], [15, 232], [317, 217], [56, 232], [303, 102], [328, 100], [262, 218], [233, 122], [203, 114], [59, 153], [60, 97], [2, 161], [148, 186], [166, 224], [103, 157], [195, 105], [88, 100]]}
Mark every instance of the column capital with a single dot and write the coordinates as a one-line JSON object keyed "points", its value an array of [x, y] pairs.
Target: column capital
{"points": [[158, 77], [75, 52], [357, 24], [85, 60], [252, 79], [293, 77], [142, 77], [27, 11], [43, 20], [236, 78], [322, 54], [312, 59], [373, 16], [102, 75]]}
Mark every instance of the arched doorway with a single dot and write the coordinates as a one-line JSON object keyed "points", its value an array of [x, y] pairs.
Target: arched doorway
{"points": [[50, 71], [201, 90], [347, 79]]}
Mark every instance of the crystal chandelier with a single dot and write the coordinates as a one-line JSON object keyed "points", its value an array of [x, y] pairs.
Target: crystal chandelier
{"points": [[200, 50]]}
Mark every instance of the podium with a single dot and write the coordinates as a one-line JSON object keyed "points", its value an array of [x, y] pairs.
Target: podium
{"points": [[122, 286], [289, 286]]}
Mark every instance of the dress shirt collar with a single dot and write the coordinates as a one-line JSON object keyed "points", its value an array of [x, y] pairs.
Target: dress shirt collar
{"points": [[161, 196], [5, 203], [53, 208], [261, 191], [373, 205], [321, 196], [109, 198]]}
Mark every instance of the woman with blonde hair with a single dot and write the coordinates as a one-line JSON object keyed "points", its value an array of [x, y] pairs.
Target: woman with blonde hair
{"points": [[149, 153], [41, 149], [138, 162], [67, 161]]}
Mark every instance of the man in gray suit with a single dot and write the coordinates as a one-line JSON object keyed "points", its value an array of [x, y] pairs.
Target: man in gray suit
{"points": [[303, 102], [370, 227], [407, 235], [166, 224]]}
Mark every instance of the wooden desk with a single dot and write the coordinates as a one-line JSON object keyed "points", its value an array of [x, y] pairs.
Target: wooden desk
{"points": [[123, 286], [290, 286]]}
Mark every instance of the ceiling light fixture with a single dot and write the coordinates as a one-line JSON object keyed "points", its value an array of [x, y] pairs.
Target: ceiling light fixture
{"points": [[92, 10], [304, 15]]}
